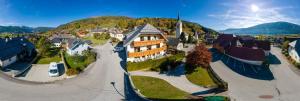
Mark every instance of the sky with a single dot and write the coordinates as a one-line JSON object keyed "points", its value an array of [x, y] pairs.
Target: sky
{"points": [[215, 14]]}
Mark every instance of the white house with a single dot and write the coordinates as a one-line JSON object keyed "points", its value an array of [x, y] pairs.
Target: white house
{"points": [[294, 49], [56, 42], [145, 42], [76, 46], [119, 36]]}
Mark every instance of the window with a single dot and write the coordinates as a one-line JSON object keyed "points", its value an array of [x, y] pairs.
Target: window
{"points": [[149, 38], [137, 49], [148, 47], [142, 38], [158, 46], [155, 37]]}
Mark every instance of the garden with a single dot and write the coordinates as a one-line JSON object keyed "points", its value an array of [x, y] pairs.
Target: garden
{"points": [[77, 63], [98, 39]]}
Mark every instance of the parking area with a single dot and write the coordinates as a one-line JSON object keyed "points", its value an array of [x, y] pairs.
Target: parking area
{"points": [[39, 73], [261, 72]]}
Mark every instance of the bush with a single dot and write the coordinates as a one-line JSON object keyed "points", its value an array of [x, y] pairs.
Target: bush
{"points": [[78, 62], [155, 65], [72, 71]]}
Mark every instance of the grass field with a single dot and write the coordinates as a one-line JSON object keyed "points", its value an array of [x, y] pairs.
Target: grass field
{"points": [[47, 60], [155, 88], [201, 77], [96, 41]]}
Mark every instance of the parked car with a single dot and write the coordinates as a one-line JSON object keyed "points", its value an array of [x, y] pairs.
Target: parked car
{"points": [[53, 70]]}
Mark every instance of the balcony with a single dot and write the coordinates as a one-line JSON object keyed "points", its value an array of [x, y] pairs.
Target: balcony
{"points": [[148, 52], [146, 43]]}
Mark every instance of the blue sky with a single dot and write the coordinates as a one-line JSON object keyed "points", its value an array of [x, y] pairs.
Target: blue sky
{"points": [[216, 14]]}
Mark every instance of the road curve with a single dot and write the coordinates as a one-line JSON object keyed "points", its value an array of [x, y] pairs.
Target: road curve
{"points": [[92, 85]]}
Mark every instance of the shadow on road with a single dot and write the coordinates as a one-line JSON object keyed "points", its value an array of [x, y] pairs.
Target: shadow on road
{"points": [[210, 91], [272, 59], [261, 72], [61, 69]]}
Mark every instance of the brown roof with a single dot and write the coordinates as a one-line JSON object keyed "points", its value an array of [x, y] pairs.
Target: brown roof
{"points": [[246, 53]]}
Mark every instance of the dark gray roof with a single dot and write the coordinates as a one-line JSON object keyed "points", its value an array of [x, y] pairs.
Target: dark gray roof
{"points": [[73, 43], [172, 41], [56, 40], [14, 46], [88, 42], [145, 29]]}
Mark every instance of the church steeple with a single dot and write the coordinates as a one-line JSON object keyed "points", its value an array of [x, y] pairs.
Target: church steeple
{"points": [[178, 26]]}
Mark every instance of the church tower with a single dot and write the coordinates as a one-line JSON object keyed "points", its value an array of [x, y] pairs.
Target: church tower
{"points": [[178, 27]]}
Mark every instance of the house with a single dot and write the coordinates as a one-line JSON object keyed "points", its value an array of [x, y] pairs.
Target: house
{"points": [[76, 46], [174, 44], [81, 34], [294, 49], [56, 42], [14, 49], [245, 49], [145, 42], [58, 39], [119, 36]]}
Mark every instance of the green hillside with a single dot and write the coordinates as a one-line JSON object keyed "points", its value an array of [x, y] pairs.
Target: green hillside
{"points": [[167, 24]]}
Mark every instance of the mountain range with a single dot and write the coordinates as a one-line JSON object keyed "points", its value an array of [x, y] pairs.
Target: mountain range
{"points": [[23, 29], [267, 28]]}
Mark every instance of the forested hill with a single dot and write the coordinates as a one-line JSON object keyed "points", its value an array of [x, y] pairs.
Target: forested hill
{"points": [[167, 24], [23, 29]]}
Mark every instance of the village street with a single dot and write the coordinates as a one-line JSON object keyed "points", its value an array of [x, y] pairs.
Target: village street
{"points": [[102, 81]]}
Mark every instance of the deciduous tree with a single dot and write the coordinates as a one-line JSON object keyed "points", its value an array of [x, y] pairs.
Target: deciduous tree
{"points": [[200, 56]]}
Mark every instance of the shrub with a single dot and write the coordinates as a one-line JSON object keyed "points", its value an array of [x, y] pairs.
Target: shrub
{"points": [[200, 56], [72, 71], [157, 64]]}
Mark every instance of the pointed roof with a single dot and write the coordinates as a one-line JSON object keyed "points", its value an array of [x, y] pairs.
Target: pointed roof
{"points": [[145, 29]]}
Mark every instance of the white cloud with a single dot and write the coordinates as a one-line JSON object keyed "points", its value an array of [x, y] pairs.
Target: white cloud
{"points": [[241, 15]]}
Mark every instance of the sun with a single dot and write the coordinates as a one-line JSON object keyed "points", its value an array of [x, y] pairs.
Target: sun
{"points": [[254, 8]]}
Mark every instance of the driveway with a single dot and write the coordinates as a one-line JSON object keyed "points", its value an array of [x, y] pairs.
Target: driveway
{"points": [[94, 84], [39, 73], [284, 86]]}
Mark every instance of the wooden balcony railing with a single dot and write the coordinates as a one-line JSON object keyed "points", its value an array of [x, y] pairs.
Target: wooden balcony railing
{"points": [[148, 42], [148, 52]]}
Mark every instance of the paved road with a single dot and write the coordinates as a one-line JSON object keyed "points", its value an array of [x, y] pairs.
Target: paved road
{"points": [[92, 85], [287, 82], [285, 86]]}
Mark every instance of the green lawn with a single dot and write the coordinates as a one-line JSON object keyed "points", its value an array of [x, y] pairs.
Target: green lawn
{"points": [[47, 60], [155, 88], [96, 41], [79, 62], [201, 77], [153, 64]]}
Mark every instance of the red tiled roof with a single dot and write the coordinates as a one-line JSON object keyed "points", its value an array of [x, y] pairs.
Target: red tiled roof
{"points": [[246, 53], [265, 45]]}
